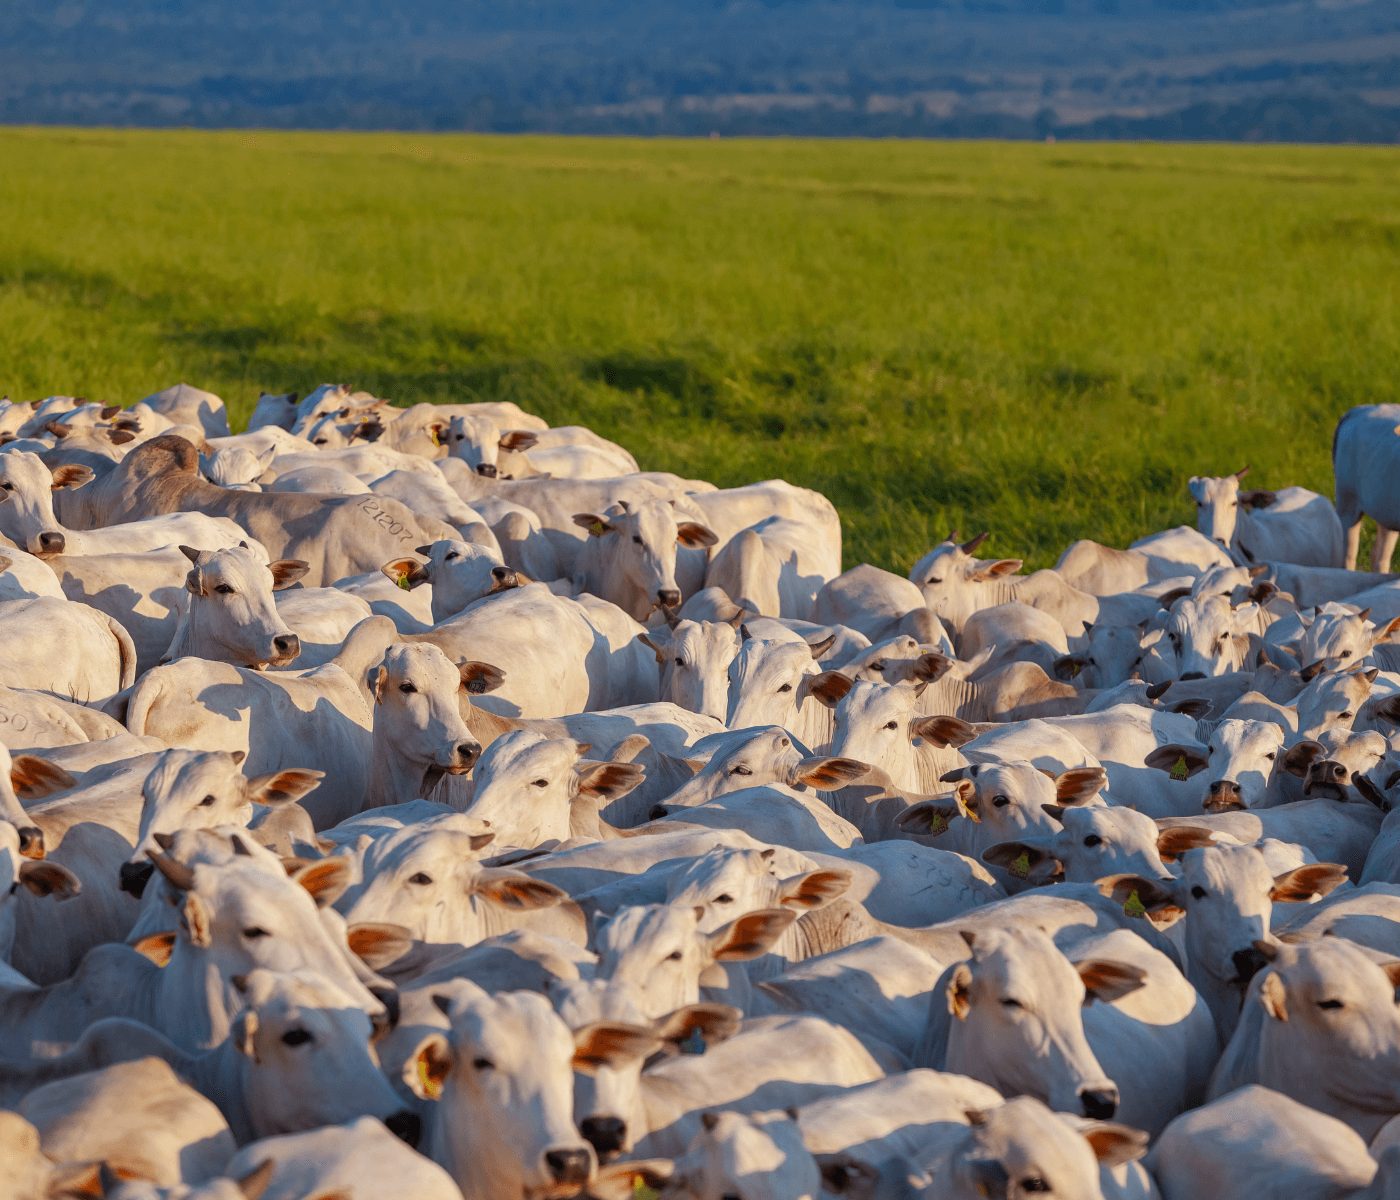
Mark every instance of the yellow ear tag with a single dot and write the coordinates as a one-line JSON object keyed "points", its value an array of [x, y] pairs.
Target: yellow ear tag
{"points": [[1021, 867], [1133, 907], [403, 582], [937, 823], [433, 433], [1074, 670], [1179, 769], [432, 1088], [640, 1190], [597, 528]]}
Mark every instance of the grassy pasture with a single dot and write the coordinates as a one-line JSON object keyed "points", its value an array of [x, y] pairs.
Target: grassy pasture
{"points": [[1044, 340]]}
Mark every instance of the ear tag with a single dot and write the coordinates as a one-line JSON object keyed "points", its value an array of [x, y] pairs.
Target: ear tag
{"points": [[1074, 670], [432, 1088], [1021, 866], [938, 823], [694, 1042], [1133, 906], [597, 528], [1179, 769], [640, 1190], [433, 433], [403, 582]]}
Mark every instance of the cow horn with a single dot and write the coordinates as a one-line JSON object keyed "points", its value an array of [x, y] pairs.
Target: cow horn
{"points": [[953, 536], [178, 874], [972, 546], [254, 1184]]}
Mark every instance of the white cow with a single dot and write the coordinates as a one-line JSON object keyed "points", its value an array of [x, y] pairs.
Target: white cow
{"points": [[1364, 458], [1292, 525]]}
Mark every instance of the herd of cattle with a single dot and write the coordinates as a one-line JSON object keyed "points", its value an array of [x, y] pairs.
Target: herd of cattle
{"points": [[425, 802]]}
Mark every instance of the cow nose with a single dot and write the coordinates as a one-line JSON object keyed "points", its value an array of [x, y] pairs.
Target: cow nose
{"points": [[668, 597], [406, 1126], [1224, 787], [467, 752], [487, 469], [288, 645], [569, 1166], [1193, 675], [135, 876], [1098, 1105], [1248, 963], [389, 1018], [52, 543], [605, 1134]]}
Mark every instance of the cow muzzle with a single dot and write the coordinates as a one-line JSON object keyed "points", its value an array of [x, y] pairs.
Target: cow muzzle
{"points": [[464, 756], [1224, 795], [31, 841], [1326, 778], [135, 876], [487, 469], [607, 1136], [1098, 1104], [668, 598], [573, 1167], [285, 647], [48, 544]]}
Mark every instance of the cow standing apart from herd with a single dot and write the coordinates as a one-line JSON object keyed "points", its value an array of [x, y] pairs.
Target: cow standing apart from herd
{"points": [[427, 802]]}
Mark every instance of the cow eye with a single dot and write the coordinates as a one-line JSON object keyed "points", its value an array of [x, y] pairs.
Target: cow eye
{"points": [[637, 538], [1034, 1183], [680, 662], [207, 802], [407, 689], [1199, 892], [224, 589], [1224, 637], [877, 666], [256, 931], [1344, 716], [891, 724], [9, 487], [1346, 654], [320, 441], [1009, 1002], [539, 783], [451, 555], [731, 1196], [787, 687], [421, 878], [296, 1037], [1271, 755], [1093, 840], [724, 898], [1330, 1004], [741, 770], [933, 579], [483, 1064], [674, 956], [1000, 801]]}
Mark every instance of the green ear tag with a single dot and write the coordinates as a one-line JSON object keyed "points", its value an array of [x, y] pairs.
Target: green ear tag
{"points": [[598, 529], [1134, 907], [937, 823], [1021, 867], [403, 582], [640, 1190], [1179, 768], [694, 1042]]}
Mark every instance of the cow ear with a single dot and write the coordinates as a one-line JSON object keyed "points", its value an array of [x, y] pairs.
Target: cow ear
{"points": [[1020, 859], [711, 1023], [959, 991], [610, 1044], [1175, 841], [928, 817], [428, 1066], [325, 881], [1274, 997], [517, 439], [252, 1185], [71, 475], [196, 920], [609, 781], [638, 1177], [479, 678], [1107, 980], [1114, 1145], [813, 889], [1390, 630], [1258, 499], [407, 573], [694, 536], [378, 944], [158, 947], [943, 732], [381, 681], [286, 571], [1301, 755], [596, 525], [33, 777], [1313, 880], [1180, 762], [514, 890], [283, 787], [829, 687], [1140, 896], [1068, 666], [827, 774], [44, 878], [1079, 785], [996, 570], [244, 1034], [750, 936]]}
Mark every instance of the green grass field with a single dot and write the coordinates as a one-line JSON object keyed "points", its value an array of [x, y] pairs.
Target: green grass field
{"points": [[1043, 340]]}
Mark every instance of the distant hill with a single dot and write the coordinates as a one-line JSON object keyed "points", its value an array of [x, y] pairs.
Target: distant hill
{"points": [[1318, 70]]}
